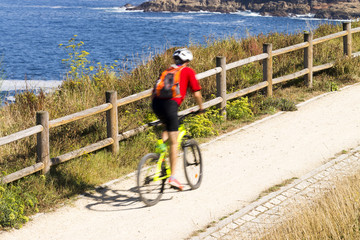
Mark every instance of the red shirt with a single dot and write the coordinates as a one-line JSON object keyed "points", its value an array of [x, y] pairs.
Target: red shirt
{"points": [[187, 80]]}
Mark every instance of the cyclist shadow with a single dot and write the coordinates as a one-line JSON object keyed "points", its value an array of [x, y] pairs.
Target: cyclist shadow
{"points": [[105, 199]]}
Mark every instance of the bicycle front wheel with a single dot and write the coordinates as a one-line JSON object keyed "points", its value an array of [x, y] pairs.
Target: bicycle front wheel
{"points": [[193, 165], [150, 187]]}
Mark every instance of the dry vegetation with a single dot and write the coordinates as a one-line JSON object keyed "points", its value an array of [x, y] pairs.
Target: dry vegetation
{"points": [[334, 215]]}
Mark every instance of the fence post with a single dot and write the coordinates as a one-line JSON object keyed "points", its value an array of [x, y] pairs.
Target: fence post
{"points": [[221, 84], [112, 121], [347, 39], [308, 59], [43, 145], [267, 68]]}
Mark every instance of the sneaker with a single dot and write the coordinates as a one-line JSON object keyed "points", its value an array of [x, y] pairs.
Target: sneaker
{"points": [[175, 184]]}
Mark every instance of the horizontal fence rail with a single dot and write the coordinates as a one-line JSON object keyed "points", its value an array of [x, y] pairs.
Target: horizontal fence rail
{"points": [[290, 48], [79, 115], [247, 61], [329, 37], [20, 135], [112, 103], [82, 151]]}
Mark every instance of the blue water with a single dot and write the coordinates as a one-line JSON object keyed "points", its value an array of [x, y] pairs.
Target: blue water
{"points": [[31, 30]]}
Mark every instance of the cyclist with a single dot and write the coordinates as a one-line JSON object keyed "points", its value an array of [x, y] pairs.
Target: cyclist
{"points": [[166, 109]]}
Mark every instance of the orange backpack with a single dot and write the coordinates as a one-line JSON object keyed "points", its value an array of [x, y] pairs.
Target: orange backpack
{"points": [[168, 85]]}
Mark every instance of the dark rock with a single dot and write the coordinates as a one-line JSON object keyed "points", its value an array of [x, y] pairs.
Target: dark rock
{"points": [[335, 9]]}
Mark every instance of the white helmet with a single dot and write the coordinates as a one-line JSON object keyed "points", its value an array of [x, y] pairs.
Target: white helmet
{"points": [[183, 54]]}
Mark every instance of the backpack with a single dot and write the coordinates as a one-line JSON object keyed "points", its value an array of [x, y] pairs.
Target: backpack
{"points": [[168, 85]]}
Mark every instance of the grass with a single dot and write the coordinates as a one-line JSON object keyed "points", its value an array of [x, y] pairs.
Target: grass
{"points": [[333, 215], [87, 89]]}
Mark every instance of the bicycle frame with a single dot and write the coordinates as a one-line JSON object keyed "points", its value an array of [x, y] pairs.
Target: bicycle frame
{"points": [[154, 168], [163, 155]]}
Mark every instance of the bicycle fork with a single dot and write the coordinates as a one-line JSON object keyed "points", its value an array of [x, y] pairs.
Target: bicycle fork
{"points": [[163, 171]]}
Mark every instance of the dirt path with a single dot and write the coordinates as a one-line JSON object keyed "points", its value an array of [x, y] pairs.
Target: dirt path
{"points": [[238, 166]]}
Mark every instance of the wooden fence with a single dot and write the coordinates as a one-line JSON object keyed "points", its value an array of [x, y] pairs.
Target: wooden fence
{"points": [[43, 124]]}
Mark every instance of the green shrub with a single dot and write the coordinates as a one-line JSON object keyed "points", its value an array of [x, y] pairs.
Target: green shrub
{"points": [[239, 109], [13, 206], [333, 86], [202, 125]]}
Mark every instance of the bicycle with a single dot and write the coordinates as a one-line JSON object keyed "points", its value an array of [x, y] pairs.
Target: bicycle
{"points": [[154, 170]]}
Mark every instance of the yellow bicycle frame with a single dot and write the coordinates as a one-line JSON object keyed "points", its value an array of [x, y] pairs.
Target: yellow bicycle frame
{"points": [[163, 153]]}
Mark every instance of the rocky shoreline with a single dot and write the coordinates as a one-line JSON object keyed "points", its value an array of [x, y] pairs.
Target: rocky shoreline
{"points": [[330, 9]]}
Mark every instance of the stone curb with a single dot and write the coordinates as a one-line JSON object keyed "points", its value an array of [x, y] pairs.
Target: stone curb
{"points": [[249, 213]]}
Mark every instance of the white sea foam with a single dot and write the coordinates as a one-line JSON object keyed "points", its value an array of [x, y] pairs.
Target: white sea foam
{"points": [[183, 17], [8, 88], [310, 17], [117, 10], [204, 12], [247, 13], [20, 85], [53, 7]]}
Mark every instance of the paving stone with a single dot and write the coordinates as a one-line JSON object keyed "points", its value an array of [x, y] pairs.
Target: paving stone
{"points": [[312, 180], [228, 237], [288, 194], [210, 238], [269, 205], [216, 234], [261, 209], [239, 221], [337, 167], [343, 164], [275, 201], [294, 190], [254, 213], [224, 230], [195, 238], [247, 217], [331, 170], [302, 185], [318, 176], [281, 198], [232, 225]]}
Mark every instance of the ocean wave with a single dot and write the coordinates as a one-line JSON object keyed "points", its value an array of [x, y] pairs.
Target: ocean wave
{"points": [[117, 9], [186, 17], [53, 7], [248, 13], [9, 88], [204, 12], [21, 85], [311, 17]]}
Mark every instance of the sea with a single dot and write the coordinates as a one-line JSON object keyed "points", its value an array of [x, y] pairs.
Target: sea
{"points": [[31, 31]]}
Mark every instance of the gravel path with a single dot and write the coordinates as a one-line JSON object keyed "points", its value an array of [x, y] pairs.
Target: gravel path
{"points": [[238, 166]]}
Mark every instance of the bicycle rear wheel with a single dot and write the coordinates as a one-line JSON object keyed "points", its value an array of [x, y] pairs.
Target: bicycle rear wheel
{"points": [[193, 165], [150, 189]]}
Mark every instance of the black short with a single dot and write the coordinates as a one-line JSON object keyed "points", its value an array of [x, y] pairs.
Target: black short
{"points": [[167, 111]]}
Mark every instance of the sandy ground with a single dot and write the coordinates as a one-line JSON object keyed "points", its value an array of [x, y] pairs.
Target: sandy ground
{"points": [[238, 166]]}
